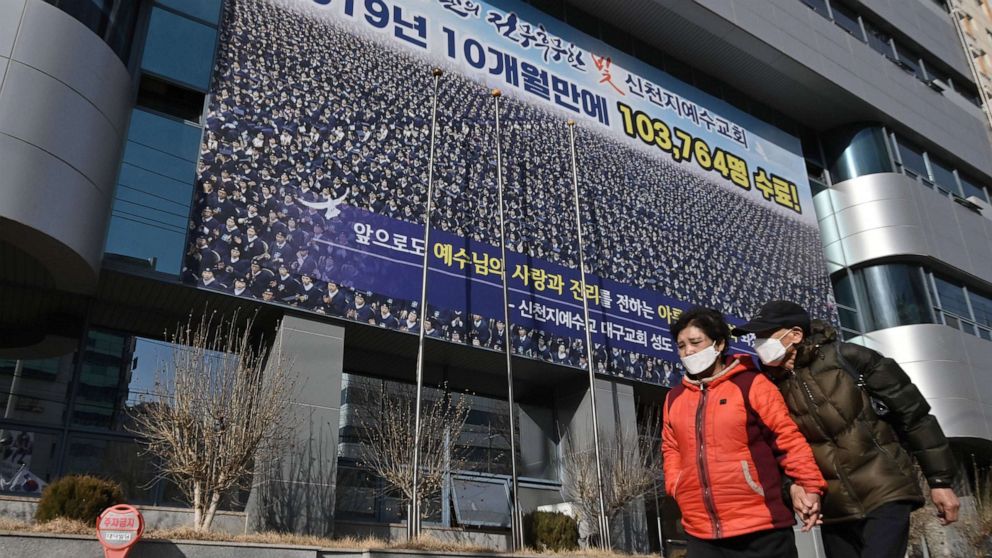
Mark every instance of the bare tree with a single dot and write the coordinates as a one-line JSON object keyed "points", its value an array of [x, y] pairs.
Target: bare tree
{"points": [[216, 411], [386, 429], [631, 465]]}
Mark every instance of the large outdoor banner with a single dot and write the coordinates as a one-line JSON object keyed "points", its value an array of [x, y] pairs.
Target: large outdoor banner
{"points": [[313, 182]]}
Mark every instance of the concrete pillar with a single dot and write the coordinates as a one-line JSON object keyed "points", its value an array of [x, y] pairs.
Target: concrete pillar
{"points": [[617, 414], [538, 443], [297, 493]]}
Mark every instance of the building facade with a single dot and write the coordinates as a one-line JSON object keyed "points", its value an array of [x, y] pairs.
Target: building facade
{"points": [[122, 122]]}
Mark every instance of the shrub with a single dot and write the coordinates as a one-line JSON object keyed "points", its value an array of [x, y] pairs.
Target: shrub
{"points": [[551, 531], [80, 497]]}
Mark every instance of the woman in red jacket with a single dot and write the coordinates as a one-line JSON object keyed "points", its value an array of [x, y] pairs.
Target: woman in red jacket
{"points": [[726, 439]]}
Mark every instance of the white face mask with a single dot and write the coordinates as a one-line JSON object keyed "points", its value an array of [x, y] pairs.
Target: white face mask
{"points": [[771, 351], [699, 362]]}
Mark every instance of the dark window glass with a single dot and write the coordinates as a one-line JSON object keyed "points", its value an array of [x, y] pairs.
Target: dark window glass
{"points": [[179, 49], [207, 10], [879, 40], [35, 390], [111, 20], [912, 158], [678, 69], [952, 297], [819, 6], [174, 100], [155, 188], [849, 319], [582, 20], [844, 291], [101, 391], [554, 8], [484, 503], [940, 76], [982, 307], [122, 460], [118, 376], [910, 61], [355, 494], [616, 37], [27, 461], [943, 176], [649, 54], [847, 19], [973, 188], [856, 152], [895, 295]]}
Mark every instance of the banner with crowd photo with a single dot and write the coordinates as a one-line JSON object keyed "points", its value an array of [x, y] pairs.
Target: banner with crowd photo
{"points": [[313, 181]]}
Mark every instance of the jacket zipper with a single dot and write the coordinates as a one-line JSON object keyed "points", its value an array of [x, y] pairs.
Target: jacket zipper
{"points": [[704, 477], [813, 408], [871, 435]]}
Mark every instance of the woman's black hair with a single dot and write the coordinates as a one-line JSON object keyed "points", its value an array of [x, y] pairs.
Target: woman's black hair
{"points": [[708, 320]]}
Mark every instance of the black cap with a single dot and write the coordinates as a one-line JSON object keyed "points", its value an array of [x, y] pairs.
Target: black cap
{"points": [[776, 315]]}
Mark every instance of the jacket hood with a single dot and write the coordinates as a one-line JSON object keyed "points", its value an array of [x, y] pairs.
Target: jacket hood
{"points": [[821, 333]]}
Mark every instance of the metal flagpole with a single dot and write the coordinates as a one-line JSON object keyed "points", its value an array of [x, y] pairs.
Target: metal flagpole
{"points": [[413, 521], [516, 531], [604, 524]]}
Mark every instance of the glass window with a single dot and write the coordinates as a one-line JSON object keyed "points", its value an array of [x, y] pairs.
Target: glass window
{"points": [[99, 395], [819, 6], [973, 188], [856, 152], [943, 176], [895, 295], [27, 461], [982, 307], [482, 502], [940, 76], [846, 303], [355, 494], [35, 390], [847, 19], [154, 191], [878, 39], [118, 374], [912, 158], [122, 460], [844, 291], [167, 135], [180, 49], [111, 20], [952, 297], [910, 61], [207, 10]]}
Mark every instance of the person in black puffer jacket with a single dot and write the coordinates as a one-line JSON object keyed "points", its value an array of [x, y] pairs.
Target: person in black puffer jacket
{"points": [[860, 413]]}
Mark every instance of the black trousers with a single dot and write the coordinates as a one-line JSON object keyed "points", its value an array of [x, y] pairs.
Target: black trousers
{"points": [[883, 533], [773, 543]]}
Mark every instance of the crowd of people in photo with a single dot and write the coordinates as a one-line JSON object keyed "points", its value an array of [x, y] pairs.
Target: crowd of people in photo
{"points": [[307, 117]]}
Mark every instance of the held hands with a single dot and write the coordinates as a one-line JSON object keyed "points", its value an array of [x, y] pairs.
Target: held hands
{"points": [[946, 503], [807, 505]]}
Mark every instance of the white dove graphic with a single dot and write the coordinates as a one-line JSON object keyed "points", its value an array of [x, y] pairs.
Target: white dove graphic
{"points": [[330, 205]]}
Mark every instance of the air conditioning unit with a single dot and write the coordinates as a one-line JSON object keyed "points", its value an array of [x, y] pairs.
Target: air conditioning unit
{"points": [[978, 205]]}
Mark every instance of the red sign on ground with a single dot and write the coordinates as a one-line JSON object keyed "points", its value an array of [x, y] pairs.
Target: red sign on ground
{"points": [[118, 528]]}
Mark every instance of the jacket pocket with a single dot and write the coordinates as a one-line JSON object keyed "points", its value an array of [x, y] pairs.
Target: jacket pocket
{"points": [[757, 488]]}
